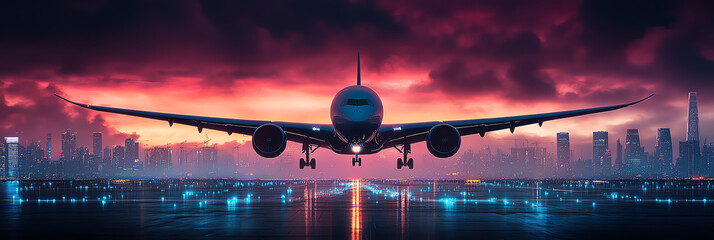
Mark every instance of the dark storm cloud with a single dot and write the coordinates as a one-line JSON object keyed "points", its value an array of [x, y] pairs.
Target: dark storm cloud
{"points": [[456, 77], [610, 25], [681, 60], [139, 37], [528, 82]]}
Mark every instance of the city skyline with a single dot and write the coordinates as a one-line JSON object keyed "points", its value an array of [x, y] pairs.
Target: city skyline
{"points": [[636, 161]]}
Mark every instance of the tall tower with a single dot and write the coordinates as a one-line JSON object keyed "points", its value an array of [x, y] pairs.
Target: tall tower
{"points": [[663, 147], [97, 144], [12, 156], [131, 148], [693, 122], [600, 146], [49, 147], [633, 150], [563, 144], [618, 158], [69, 142]]}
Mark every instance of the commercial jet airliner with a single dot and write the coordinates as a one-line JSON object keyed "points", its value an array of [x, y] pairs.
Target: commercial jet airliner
{"points": [[356, 114]]}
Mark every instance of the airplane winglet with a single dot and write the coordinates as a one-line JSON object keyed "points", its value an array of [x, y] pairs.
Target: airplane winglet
{"points": [[359, 74], [78, 104], [641, 100]]}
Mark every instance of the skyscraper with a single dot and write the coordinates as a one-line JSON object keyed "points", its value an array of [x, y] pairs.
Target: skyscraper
{"points": [[97, 144], [118, 157], [12, 157], [159, 158], [69, 142], [107, 159], [600, 146], [696, 166], [3, 163], [688, 155], [563, 145], [633, 150], [663, 147], [693, 121], [618, 157], [49, 146], [708, 157], [131, 154]]}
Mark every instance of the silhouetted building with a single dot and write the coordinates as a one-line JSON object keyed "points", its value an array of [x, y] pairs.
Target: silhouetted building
{"points": [[12, 157], [698, 167], [633, 150], [49, 146], [97, 144], [3, 161], [708, 156], [118, 159], [131, 154], [693, 118], [31, 161], [208, 157], [600, 146], [83, 163], [563, 145], [69, 143], [663, 151], [618, 156], [688, 155], [106, 164], [663, 147], [158, 158]]}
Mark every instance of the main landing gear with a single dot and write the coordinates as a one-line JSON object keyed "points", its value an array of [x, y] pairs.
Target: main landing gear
{"points": [[357, 160], [406, 149], [307, 162]]}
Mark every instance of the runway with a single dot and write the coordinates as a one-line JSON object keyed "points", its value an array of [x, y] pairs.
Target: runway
{"points": [[355, 209]]}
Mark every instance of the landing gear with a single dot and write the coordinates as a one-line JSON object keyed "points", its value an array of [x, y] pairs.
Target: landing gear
{"points": [[406, 149], [357, 160], [307, 162]]}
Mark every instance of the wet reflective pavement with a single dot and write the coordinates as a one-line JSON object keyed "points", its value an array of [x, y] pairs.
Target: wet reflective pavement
{"points": [[355, 209]]}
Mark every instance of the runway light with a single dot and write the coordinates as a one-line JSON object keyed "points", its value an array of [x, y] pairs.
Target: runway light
{"points": [[356, 148]]}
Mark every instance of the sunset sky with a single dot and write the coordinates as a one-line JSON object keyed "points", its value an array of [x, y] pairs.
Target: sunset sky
{"points": [[284, 61]]}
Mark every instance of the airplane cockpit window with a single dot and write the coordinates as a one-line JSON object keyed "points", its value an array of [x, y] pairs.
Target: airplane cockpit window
{"points": [[357, 102]]}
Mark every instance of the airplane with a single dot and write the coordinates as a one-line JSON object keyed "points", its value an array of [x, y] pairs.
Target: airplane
{"points": [[356, 114]]}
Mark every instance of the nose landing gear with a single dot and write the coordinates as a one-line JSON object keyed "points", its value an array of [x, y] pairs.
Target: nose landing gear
{"points": [[406, 149], [357, 160], [307, 162]]}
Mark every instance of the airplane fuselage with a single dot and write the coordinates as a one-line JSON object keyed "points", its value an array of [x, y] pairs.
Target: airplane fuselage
{"points": [[356, 114]]}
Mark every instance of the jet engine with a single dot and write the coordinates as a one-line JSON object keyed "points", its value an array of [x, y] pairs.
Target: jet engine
{"points": [[443, 140], [269, 140]]}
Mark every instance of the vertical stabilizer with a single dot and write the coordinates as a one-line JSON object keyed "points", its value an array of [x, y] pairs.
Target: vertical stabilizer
{"points": [[359, 75]]}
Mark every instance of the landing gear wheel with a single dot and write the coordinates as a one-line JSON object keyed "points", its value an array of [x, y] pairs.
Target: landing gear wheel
{"points": [[302, 163], [307, 149], [406, 162], [357, 160]]}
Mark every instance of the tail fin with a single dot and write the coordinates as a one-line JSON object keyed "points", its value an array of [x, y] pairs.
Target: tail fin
{"points": [[359, 75]]}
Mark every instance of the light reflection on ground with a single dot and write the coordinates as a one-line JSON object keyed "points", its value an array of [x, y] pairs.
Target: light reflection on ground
{"points": [[355, 209]]}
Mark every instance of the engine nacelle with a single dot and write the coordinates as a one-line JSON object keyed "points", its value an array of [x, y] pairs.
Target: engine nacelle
{"points": [[443, 140], [269, 140]]}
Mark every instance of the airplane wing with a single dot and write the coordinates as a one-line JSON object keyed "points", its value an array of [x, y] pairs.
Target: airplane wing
{"points": [[398, 134], [297, 132]]}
